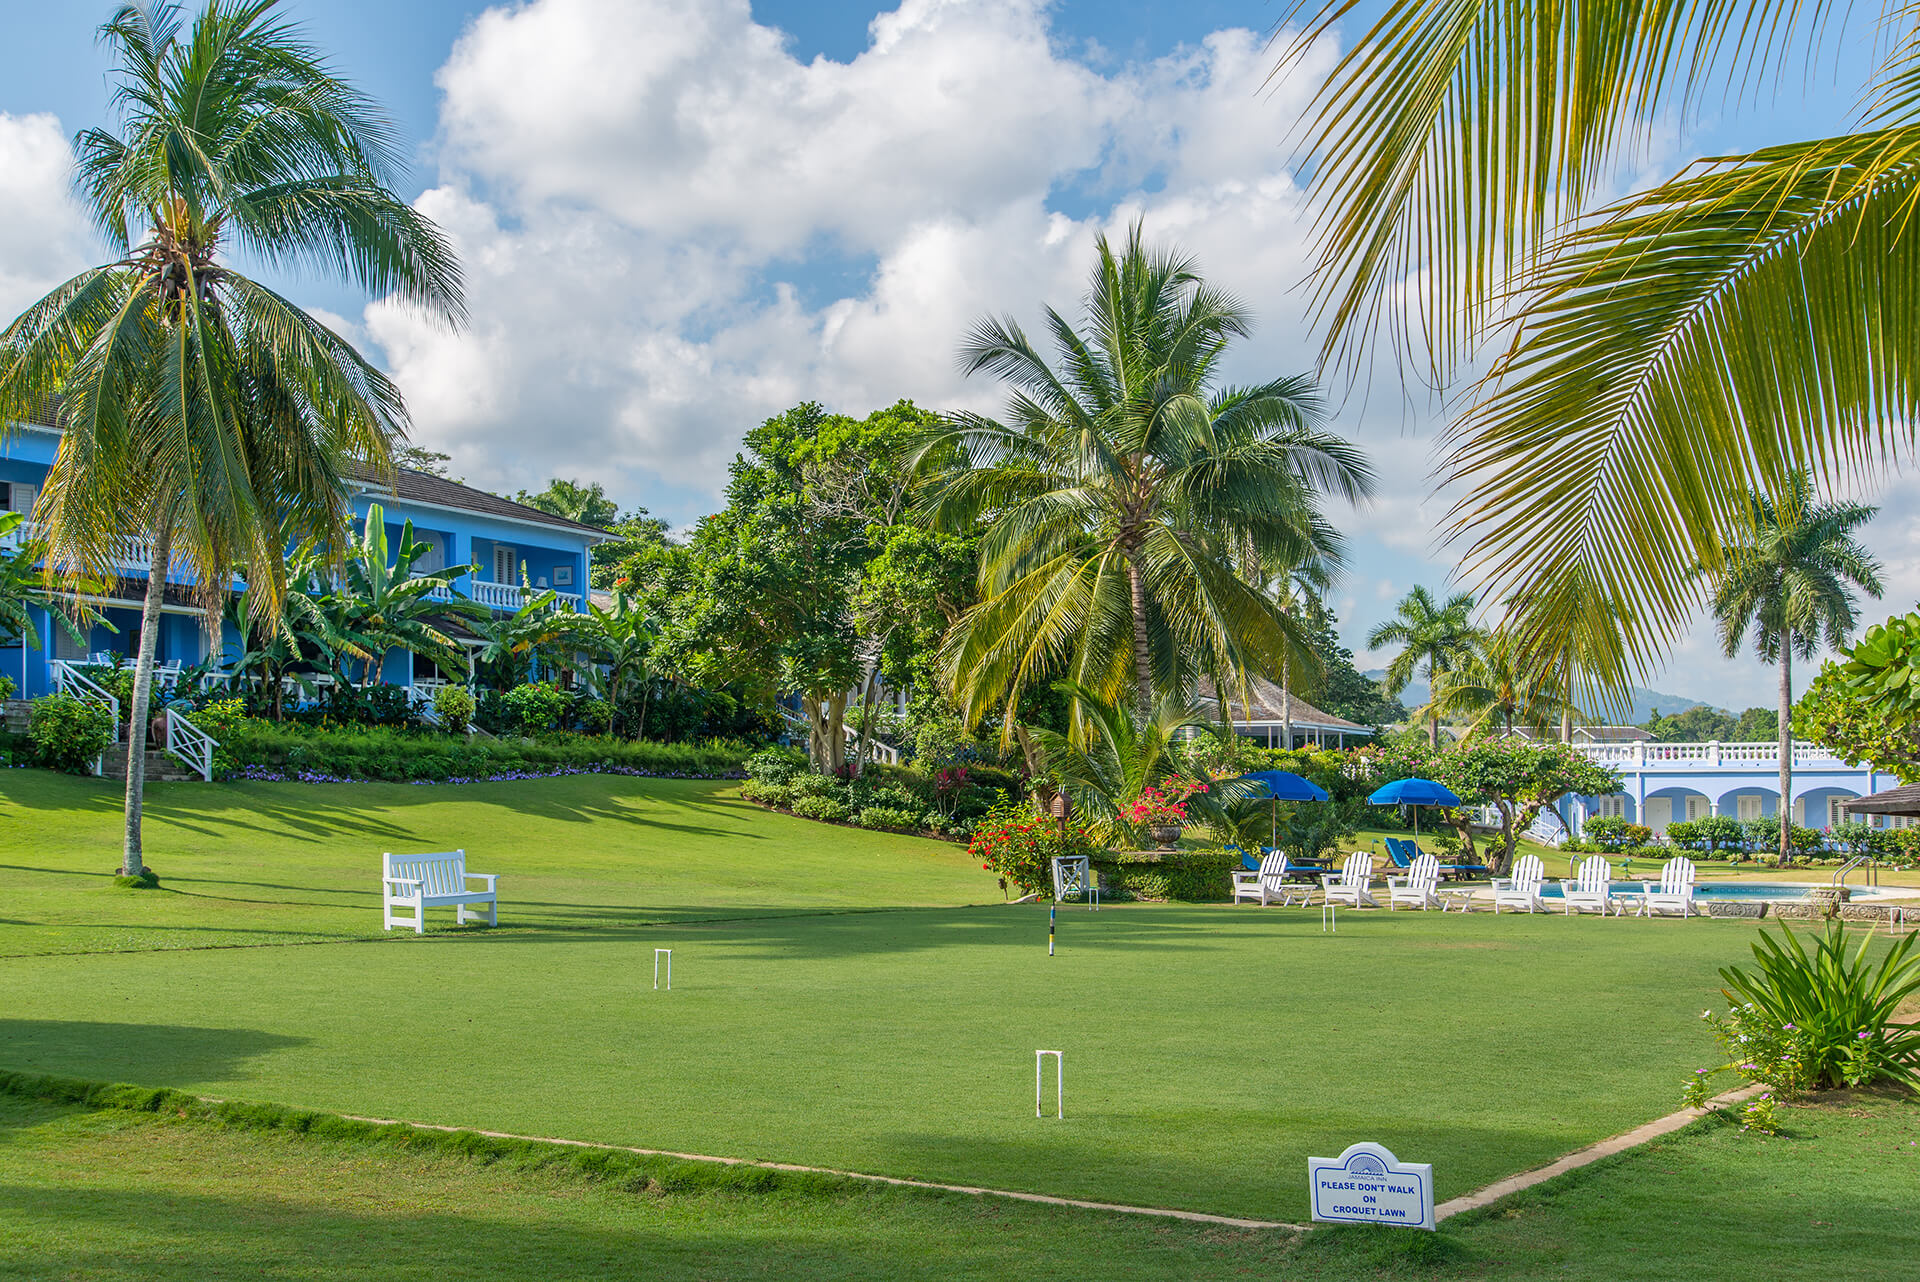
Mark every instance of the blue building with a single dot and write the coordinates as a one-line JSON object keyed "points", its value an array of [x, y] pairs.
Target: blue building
{"points": [[509, 543]]}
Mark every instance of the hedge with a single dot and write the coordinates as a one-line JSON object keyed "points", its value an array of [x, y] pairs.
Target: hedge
{"points": [[262, 750], [1191, 876]]}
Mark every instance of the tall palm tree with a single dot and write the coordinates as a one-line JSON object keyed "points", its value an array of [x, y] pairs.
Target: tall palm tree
{"points": [[200, 406], [1436, 635], [1659, 353], [1791, 580], [1119, 490], [1501, 685]]}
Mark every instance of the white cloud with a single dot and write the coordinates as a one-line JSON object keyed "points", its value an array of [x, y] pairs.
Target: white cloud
{"points": [[44, 238]]}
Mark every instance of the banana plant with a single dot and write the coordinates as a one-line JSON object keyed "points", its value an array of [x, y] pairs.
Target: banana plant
{"points": [[388, 603]]}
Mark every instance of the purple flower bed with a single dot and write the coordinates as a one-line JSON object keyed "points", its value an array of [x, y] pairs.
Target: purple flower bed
{"points": [[264, 775]]}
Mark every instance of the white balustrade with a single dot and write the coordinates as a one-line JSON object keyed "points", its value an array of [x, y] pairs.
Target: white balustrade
{"points": [[189, 744], [1708, 756], [68, 679]]}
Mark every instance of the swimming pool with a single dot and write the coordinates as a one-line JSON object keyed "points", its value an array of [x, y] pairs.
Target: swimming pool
{"points": [[1741, 891]]}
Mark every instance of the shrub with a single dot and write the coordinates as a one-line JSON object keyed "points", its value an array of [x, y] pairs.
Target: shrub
{"points": [[1800, 1022], [813, 806], [265, 750], [6, 688], [593, 716], [69, 733], [453, 705], [1605, 831], [224, 719], [1189, 876], [892, 798], [535, 708], [892, 818], [767, 794], [776, 765], [811, 785], [1020, 846]]}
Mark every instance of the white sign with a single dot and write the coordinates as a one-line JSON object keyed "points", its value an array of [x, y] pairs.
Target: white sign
{"points": [[1368, 1185]]}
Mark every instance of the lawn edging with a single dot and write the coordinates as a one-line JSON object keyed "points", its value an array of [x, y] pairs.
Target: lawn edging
{"points": [[634, 1169]]}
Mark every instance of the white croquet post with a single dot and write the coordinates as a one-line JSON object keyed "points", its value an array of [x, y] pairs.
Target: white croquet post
{"points": [[1059, 1082], [656, 968], [1329, 917]]}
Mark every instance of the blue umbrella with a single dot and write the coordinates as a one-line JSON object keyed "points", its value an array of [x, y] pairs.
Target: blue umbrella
{"points": [[1283, 785], [1416, 793]]}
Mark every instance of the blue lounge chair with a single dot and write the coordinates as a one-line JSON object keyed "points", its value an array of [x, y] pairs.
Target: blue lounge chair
{"points": [[1405, 850]]}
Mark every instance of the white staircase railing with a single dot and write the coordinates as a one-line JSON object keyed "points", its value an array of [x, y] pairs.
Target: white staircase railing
{"points": [[190, 745], [68, 679], [876, 749]]}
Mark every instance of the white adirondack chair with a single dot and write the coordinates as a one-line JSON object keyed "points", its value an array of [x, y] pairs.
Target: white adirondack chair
{"points": [[421, 882], [1521, 892], [1588, 892], [1674, 893], [1352, 884], [1420, 888], [1270, 885]]}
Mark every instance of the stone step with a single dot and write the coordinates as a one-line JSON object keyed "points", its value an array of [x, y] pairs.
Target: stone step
{"points": [[16, 714], [160, 767]]}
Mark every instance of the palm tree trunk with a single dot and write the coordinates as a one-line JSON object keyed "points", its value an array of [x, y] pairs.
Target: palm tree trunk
{"points": [[1142, 662], [133, 860], [1786, 741]]}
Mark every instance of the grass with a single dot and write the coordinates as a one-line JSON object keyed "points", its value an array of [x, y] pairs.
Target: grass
{"points": [[114, 1197], [283, 863]]}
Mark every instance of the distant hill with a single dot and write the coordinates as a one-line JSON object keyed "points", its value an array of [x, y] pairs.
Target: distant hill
{"points": [[1645, 702]]}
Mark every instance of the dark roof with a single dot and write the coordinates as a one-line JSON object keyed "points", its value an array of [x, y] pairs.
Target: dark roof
{"points": [[1612, 734], [425, 487], [1266, 707], [1904, 800]]}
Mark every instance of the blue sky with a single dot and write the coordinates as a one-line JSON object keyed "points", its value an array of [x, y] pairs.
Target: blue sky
{"points": [[679, 216]]}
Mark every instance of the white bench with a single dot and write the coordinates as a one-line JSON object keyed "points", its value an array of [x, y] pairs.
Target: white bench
{"points": [[421, 882]]}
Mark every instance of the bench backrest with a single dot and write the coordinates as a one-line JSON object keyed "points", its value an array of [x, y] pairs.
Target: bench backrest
{"points": [[1425, 874], [1528, 873], [1677, 877], [1595, 875], [442, 873]]}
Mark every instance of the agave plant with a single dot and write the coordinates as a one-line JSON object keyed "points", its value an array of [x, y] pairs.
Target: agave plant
{"points": [[1841, 1008]]}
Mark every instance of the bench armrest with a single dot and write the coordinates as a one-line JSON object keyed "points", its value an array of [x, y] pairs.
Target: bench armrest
{"points": [[489, 877], [403, 881]]}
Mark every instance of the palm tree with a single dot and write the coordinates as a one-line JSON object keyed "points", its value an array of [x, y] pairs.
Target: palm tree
{"points": [[1500, 685], [1659, 353], [1114, 757], [1120, 491], [1439, 635], [1789, 580], [387, 604], [200, 406]]}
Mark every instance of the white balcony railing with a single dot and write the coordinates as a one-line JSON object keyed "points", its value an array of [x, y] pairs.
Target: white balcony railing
{"points": [[1703, 756], [511, 596], [131, 555]]}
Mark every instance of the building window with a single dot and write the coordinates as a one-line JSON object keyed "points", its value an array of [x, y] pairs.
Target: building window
{"points": [[1749, 807], [1611, 807], [1696, 808], [435, 557], [1835, 815], [503, 565]]}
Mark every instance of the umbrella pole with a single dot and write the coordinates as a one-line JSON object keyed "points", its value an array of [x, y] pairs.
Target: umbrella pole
{"points": [[1273, 822]]}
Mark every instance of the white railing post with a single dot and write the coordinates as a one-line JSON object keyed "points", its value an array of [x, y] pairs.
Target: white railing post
{"points": [[1713, 752]]}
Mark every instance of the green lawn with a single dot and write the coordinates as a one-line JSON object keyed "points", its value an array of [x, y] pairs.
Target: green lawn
{"points": [[279, 863], [118, 1197], [836, 1001]]}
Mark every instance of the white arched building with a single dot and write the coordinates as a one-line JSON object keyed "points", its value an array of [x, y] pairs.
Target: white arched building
{"points": [[1663, 783]]}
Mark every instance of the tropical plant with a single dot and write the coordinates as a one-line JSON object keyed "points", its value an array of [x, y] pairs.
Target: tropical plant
{"points": [[304, 638], [1122, 492], [1438, 636], [199, 406], [69, 733], [1114, 764], [1736, 322], [621, 641], [1828, 1018], [1867, 706], [1498, 687], [512, 643], [1019, 846], [385, 602], [23, 588], [453, 708], [1788, 577]]}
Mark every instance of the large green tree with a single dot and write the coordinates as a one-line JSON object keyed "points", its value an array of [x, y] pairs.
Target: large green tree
{"points": [[1123, 491], [200, 407], [1434, 636], [1655, 354], [1791, 579]]}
